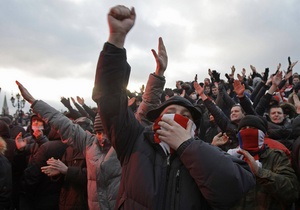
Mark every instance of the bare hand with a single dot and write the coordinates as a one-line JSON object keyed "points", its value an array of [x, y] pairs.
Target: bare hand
{"points": [[198, 88], [80, 100], [239, 88], [244, 72], [57, 165], [253, 68], [20, 142], [120, 20], [38, 133], [131, 101], [277, 78], [24, 92], [49, 171], [240, 77], [172, 133], [220, 139], [161, 58], [250, 160]]}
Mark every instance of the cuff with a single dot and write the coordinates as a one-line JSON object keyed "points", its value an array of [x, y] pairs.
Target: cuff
{"points": [[184, 145]]}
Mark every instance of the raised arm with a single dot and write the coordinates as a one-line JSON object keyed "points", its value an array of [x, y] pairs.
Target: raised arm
{"points": [[155, 84], [111, 80]]}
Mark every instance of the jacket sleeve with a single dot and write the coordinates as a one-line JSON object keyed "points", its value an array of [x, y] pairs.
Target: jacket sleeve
{"points": [[151, 98], [263, 104], [76, 176], [247, 105], [81, 110], [89, 111], [221, 178], [110, 94], [220, 118], [71, 134]]}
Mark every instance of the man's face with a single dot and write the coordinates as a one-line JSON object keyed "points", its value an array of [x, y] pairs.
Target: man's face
{"points": [[214, 91], [207, 89], [177, 109], [37, 123], [295, 80], [276, 115], [236, 114]]}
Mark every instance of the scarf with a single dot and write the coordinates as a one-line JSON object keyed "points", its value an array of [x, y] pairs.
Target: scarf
{"points": [[181, 120]]}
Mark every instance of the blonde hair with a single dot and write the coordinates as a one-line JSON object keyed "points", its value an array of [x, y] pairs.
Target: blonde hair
{"points": [[2, 146]]}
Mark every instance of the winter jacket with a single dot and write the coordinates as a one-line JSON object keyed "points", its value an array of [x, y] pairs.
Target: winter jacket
{"points": [[197, 176], [95, 156], [37, 190], [5, 179], [224, 123], [73, 193], [276, 184]]}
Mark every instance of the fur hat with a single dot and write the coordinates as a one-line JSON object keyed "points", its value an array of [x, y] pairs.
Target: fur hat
{"points": [[254, 121], [98, 127], [153, 114]]}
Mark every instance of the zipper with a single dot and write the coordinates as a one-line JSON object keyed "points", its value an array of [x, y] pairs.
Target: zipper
{"points": [[177, 181], [166, 181]]}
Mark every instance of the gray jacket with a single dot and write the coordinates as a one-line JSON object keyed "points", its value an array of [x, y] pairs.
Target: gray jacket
{"points": [[101, 194]]}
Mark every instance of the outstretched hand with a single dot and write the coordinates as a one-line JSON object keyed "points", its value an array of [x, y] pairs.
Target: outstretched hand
{"points": [[161, 58], [120, 20], [239, 88], [80, 100], [25, 94]]}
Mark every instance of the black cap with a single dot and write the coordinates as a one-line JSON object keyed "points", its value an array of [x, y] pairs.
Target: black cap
{"points": [[153, 114], [254, 121]]}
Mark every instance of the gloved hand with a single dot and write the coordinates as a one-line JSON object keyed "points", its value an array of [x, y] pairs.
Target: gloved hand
{"points": [[266, 75], [216, 75], [66, 102]]}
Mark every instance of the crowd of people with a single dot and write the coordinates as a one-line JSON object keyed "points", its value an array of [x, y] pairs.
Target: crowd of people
{"points": [[211, 144]]}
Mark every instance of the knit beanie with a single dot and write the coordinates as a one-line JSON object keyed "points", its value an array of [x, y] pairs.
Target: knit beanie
{"points": [[254, 121], [98, 127]]}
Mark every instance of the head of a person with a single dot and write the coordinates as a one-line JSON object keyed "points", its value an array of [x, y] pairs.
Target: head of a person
{"points": [[295, 79], [206, 81], [85, 123], [168, 93], [175, 105], [276, 114], [236, 113], [98, 127], [37, 122], [4, 130], [214, 90], [251, 133]]}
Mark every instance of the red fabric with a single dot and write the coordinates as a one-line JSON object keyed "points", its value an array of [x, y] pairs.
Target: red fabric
{"points": [[181, 120], [273, 144], [249, 141]]}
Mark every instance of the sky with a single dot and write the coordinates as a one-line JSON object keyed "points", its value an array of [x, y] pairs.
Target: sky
{"points": [[52, 47]]}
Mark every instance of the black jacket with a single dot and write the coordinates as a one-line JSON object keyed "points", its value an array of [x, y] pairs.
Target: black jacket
{"points": [[198, 176]]}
